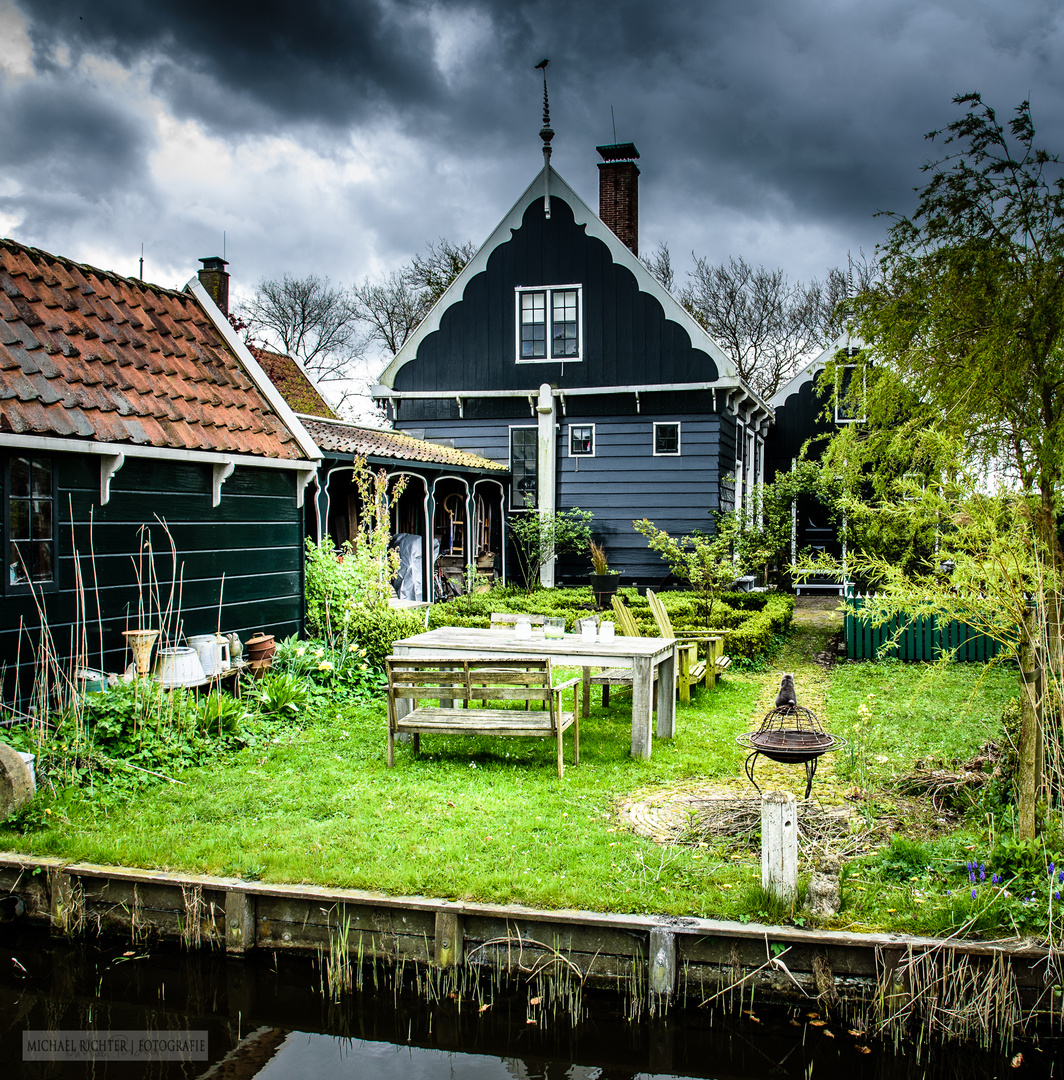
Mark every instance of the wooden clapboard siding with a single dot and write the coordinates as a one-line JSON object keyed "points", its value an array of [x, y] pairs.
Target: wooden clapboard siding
{"points": [[622, 481], [627, 338], [253, 538]]}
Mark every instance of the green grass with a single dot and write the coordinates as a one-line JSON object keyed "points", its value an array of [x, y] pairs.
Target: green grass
{"points": [[488, 819], [476, 818], [919, 712]]}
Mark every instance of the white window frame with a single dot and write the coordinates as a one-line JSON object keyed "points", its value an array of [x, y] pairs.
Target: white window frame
{"points": [[515, 503], [548, 291], [850, 419], [679, 438], [569, 441]]}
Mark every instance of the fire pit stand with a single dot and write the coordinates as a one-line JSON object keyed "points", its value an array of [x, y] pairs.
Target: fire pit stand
{"points": [[791, 735]]}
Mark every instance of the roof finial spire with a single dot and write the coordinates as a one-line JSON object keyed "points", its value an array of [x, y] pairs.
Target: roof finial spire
{"points": [[546, 133]]}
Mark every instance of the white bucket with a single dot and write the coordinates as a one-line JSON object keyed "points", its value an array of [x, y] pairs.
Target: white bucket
{"points": [[179, 667]]}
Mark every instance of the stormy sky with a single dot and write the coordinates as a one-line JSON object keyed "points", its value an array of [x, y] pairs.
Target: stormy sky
{"points": [[340, 136]]}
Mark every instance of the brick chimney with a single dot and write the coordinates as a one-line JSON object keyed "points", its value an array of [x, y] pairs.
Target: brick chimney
{"points": [[215, 279], [619, 192]]}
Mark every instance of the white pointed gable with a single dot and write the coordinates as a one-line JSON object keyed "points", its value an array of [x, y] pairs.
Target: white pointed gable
{"points": [[594, 226]]}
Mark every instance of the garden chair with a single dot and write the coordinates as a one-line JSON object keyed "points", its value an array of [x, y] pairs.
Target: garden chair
{"points": [[690, 670]]}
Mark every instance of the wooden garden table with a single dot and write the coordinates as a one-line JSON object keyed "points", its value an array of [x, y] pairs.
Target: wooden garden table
{"points": [[643, 655]]}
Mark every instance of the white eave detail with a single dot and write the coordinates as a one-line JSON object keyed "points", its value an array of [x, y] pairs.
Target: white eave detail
{"points": [[814, 367], [737, 396], [254, 371], [114, 455], [594, 226]]}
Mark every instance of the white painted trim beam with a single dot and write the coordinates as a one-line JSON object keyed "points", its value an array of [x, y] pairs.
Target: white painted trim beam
{"points": [[221, 472], [109, 465], [114, 455], [251, 365]]}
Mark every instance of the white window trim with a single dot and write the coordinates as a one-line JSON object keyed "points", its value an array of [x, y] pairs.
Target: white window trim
{"points": [[679, 438], [864, 385], [549, 289], [569, 441], [514, 505]]}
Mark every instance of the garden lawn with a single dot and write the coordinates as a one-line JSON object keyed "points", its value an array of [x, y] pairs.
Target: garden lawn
{"points": [[488, 819], [471, 817]]}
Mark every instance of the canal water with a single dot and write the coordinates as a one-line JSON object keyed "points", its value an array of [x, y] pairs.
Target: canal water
{"points": [[272, 1016]]}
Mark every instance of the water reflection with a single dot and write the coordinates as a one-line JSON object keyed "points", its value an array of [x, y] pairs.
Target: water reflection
{"points": [[269, 1017]]}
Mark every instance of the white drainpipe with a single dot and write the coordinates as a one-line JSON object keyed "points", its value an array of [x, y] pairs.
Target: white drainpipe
{"points": [[547, 463]]}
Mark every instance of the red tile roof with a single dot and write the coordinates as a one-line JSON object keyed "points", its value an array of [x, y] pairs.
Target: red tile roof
{"points": [[291, 380], [370, 443], [88, 354]]}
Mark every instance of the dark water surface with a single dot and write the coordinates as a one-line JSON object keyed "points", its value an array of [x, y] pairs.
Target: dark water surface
{"points": [[271, 1017]]}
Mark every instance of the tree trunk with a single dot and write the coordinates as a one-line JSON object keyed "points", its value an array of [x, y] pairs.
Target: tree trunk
{"points": [[1028, 778]]}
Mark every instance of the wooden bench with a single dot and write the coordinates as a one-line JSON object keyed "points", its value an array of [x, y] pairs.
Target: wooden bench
{"points": [[690, 670], [450, 696]]}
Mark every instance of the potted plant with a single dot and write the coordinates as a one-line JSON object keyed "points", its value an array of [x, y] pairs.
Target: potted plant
{"points": [[603, 580]]}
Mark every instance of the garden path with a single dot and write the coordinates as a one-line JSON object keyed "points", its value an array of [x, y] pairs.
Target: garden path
{"points": [[807, 654]]}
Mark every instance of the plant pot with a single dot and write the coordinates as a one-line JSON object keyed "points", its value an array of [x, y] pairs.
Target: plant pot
{"points": [[604, 586], [141, 641], [259, 651]]}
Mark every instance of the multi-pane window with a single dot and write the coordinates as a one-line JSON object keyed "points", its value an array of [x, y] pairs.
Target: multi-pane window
{"points": [[666, 439], [581, 440], [533, 325], [30, 521], [849, 399], [524, 466], [548, 323], [565, 340]]}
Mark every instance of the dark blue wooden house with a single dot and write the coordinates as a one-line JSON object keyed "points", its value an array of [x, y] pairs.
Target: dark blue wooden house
{"points": [[132, 415], [556, 353]]}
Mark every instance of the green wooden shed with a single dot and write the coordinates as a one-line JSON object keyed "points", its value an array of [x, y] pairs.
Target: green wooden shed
{"points": [[151, 472]]}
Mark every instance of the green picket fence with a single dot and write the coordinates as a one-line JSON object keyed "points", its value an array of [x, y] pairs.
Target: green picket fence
{"points": [[921, 638]]}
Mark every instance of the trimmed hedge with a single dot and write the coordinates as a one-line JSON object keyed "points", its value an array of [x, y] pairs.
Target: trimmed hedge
{"points": [[750, 621], [374, 629]]}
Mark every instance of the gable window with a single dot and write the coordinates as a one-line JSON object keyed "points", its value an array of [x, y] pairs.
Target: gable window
{"points": [[524, 466], [581, 440], [666, 439], [849, 400], [30, 523], [548, 324]]}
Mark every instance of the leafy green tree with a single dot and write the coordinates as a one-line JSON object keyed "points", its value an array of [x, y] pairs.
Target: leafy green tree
{"points": [[967, 380], [541, 535], [968, 320]]}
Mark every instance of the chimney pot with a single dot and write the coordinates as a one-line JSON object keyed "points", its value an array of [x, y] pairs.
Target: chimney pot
{"points": [[215, 279], [619, 192]]}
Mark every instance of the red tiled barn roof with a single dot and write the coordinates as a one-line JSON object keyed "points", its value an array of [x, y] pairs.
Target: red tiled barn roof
{"points": [[89, 354], [291, 380]]}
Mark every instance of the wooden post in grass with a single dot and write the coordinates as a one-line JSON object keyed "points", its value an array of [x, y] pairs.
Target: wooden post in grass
{"points": [[779, 844]]}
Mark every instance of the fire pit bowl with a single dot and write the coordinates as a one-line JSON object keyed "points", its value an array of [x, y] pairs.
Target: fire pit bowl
{"points": [[790, 735]]}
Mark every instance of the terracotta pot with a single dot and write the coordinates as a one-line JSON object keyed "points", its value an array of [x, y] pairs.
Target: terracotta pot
{"points": [[259, 652]]}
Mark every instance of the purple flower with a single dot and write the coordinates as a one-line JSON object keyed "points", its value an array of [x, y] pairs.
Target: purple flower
{"points": [[1060, 877], [973, 894], [971, 875], [995, 880], [982, 873], [1052, 867], [1056, 895], [948, 893]]}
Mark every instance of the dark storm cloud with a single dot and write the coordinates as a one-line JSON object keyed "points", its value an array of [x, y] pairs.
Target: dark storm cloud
{"points": [[754, 119], [315, 60], [68, 148]]}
